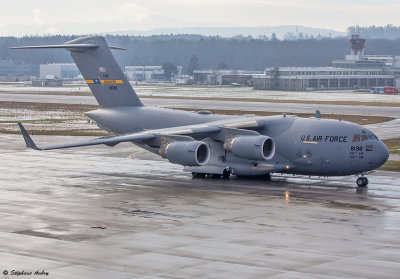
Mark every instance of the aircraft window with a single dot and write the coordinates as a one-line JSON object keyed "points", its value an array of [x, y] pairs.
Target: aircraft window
{"points": [[364, 137], [356, 138], [372, 137]]}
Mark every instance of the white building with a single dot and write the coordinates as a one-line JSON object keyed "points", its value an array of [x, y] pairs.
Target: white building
{"points": [[223, 77], [59, 71], [148, 73]]}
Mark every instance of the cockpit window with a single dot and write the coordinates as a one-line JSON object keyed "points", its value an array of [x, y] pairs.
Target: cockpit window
{"points": [[356, 138], [372, 137]]}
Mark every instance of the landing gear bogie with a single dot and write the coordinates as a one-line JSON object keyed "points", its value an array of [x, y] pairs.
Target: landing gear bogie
{"points": [[205, 175], [198, 175], [226, 174]]}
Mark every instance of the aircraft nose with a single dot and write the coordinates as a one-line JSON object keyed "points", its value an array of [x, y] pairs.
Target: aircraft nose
{"points": [[382, 154]]}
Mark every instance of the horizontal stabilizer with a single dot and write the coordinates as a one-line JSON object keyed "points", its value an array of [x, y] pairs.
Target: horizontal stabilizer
{"points": [[59, 46], [71, 46]]}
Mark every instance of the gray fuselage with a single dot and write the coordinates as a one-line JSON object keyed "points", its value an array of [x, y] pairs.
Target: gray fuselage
{"points": [[310, 146]]}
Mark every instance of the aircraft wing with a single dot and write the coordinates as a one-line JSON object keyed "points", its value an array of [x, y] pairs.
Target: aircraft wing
{"points": [[114, 140], [219, 132], [111, 141]]}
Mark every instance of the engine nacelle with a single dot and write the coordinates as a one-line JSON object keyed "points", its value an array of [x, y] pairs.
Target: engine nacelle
{"points": [[251, 147], [186, 153]]}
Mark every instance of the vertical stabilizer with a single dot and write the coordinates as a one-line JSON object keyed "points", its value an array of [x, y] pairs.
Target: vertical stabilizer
{"points": [[103, 74], [101, 71]]}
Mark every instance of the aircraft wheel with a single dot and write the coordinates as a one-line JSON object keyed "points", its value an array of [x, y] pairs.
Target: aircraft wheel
{"points": [[195, 174], [215, 176], [362, 181], [226, 174]]}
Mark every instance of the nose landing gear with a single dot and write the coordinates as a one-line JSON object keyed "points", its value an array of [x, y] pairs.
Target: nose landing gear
{"points": [[362, 181]]}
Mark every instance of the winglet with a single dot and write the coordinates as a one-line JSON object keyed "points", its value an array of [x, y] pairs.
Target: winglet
{"points": [[28, 140]]}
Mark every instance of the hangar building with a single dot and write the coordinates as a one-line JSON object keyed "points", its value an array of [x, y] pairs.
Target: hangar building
{"points": [[308, 78], [148, 73]]}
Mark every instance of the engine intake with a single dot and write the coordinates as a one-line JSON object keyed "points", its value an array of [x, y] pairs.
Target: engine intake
{"points": [[251, 147], [186, 153]]}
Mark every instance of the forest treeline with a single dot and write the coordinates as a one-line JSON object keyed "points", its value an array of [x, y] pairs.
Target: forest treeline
{"points": [[376, 32], [233, 53]]}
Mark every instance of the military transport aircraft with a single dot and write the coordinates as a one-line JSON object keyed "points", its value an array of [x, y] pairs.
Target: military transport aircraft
{"points": [[217, 145]]}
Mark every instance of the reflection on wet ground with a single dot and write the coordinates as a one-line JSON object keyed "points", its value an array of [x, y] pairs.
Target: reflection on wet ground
{"points": [[121, 212]]}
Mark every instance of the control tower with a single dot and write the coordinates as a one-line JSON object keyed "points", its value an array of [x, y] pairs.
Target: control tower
{"points": [[356, 58], [357, 46]]}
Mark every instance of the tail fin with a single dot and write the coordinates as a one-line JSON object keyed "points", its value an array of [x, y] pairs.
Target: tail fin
{"points": [[101, 71]]}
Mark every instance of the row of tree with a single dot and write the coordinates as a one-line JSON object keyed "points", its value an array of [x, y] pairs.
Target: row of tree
{"points": [[375, 32], [170, 68], [203, 52]]}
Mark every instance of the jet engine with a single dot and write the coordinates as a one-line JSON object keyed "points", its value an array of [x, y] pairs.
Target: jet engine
{"points": [[186, 153], [251, 147]]}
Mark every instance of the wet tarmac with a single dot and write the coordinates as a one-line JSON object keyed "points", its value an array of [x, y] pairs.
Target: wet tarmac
{"points": [[121, 212]]}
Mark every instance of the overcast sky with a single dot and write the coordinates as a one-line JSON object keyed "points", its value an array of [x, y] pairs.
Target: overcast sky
{"points": [[18, 18]]}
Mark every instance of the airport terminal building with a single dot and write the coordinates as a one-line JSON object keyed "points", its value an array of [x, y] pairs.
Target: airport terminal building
{"points": [[306, 78], [356, 71]]}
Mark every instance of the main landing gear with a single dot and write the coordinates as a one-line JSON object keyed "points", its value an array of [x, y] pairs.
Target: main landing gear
{"points": [[362, 181], [226, 173]]}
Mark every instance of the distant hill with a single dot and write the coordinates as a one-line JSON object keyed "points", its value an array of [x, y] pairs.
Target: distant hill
{"points": [[255, 32]]}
